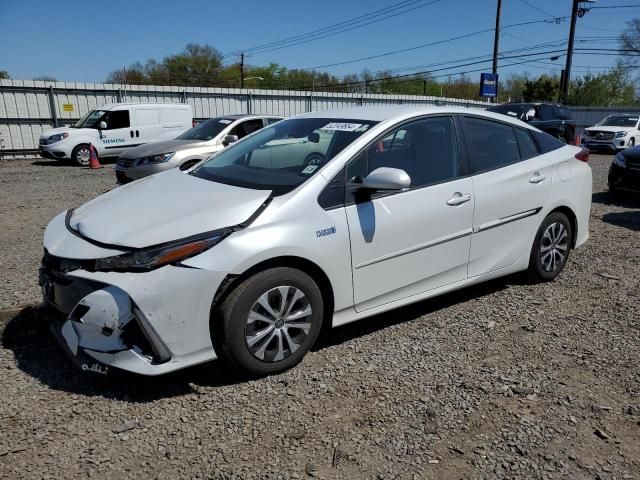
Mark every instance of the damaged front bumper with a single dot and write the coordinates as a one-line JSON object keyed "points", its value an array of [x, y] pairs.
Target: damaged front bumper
{"points": [[148, 323]]}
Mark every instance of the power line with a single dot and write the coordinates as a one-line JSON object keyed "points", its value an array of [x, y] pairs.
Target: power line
{"points": [[537, 8], [347, 25], [416, 47]]}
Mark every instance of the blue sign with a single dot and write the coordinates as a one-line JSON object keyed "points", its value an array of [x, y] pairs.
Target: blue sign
{"points": [[488, 84]]}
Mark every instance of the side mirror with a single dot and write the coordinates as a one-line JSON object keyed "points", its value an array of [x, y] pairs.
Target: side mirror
{"points": [[228, 139], [314, 137], [384, 178], [103, 125]]}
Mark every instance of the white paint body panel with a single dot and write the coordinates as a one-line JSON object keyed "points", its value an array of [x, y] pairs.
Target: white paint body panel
{"points": [[421, 247]]}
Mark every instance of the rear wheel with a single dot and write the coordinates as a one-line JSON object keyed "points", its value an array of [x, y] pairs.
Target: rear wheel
{"points": [[81, 155], [551, 248], [270, 321]]}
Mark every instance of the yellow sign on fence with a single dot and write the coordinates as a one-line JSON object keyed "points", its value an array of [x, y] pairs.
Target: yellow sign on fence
{"points": [[67, 107]]}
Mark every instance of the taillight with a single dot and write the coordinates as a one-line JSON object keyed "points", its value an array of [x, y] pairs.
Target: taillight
{"points": [[583, 155], [193, 122]]}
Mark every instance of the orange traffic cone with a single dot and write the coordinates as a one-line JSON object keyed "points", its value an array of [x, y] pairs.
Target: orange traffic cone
{"points": [[577, 142], [94, 163]]}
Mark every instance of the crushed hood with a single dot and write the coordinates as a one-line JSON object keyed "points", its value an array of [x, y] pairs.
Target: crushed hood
{"points": [[164, 207], [156, 148]]}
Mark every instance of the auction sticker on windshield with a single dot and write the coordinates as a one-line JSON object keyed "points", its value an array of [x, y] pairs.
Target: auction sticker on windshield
{"points": [[343, 127]]}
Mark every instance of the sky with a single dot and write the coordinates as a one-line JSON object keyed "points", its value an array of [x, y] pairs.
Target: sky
{"points": [[73, 40]]}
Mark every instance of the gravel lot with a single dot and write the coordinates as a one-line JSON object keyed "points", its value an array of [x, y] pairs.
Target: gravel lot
{"points": [[502, 380]]}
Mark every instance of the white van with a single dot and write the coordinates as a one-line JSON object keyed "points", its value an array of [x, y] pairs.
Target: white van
{"points": [[114, 128]]}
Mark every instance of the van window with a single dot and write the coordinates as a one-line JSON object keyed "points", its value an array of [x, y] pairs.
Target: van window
{"points": [[491, 144], [117, 119], [147, 116]]}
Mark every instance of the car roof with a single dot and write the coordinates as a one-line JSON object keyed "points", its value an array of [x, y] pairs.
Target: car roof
{"points": [[246, 115], [379, 113], [110, 106]]}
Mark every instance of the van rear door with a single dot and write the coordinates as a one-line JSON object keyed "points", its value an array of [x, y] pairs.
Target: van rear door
{"points": [[175, 121], [148, 127]]}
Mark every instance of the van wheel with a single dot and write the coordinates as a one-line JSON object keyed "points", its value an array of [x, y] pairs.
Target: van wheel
{"points": [[81, 155], [551, 248], [269, 321]]}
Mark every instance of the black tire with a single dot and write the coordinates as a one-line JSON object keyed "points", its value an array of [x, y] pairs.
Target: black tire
{"points": [[188, 164], [80, 155], [231, 327], [538, 269], [314, 159]]}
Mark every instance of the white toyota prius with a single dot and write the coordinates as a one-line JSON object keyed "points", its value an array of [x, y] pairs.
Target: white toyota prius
{"points": [[248, 255]]}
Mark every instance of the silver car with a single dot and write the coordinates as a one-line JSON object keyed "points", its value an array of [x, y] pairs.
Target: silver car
{"points": [[197, 143]]}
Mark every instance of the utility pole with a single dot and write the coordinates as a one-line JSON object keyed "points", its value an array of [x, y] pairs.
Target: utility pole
{"points": [[564, 79], [496, 40], [242, 70]]}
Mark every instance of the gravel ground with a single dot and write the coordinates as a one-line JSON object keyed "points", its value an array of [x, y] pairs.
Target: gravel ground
{"points": [[501, 380]]}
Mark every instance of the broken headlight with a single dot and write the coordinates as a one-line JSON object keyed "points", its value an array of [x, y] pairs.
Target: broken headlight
{"points": [[159, 255]]}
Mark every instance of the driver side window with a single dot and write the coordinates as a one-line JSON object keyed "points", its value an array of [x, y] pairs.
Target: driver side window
{"points": [[117, 119], [427, 150], [247, 127]]}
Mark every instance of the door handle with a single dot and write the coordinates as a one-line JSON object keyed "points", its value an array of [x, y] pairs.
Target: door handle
{"points": [[131, 132], [537, 178], [458, 199], [137, 133]]}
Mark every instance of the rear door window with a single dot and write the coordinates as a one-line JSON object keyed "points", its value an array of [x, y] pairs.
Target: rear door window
{"points": [[491, 144], [526, 145]]}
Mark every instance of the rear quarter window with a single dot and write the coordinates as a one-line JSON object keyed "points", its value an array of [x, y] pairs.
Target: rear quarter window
{"points": [[546, 143]]}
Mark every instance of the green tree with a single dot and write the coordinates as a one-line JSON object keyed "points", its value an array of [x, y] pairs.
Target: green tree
{"points": [[545, 88], [612, 88], [4, 75]]}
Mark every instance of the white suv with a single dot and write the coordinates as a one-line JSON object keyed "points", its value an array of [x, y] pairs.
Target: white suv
{"points": [[246, 256], [614, 132]]}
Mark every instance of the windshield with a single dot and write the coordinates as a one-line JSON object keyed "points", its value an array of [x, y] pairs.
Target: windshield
{"points": [[90, 120], [619, 121], [206, 130], [284, 155]]}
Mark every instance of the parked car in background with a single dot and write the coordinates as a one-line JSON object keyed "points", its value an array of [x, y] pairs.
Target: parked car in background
{"points": [[614, 132], [552, 118], [194, 145], [115, 128], [247, 255], [624, 173]]}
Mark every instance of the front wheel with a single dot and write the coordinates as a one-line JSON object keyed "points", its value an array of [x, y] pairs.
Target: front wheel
{"points": [[81, 155], [269, 321], [551, 248]]}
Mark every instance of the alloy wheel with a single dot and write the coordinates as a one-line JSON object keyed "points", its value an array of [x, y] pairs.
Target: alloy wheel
{"points": [[83, 155], [554, 246], [278, 323]]}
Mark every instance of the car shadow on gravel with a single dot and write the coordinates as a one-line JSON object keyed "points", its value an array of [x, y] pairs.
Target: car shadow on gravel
{"points": [[630, 220], [332, 337], [69, 163], [26, 333], [625, 200]]}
